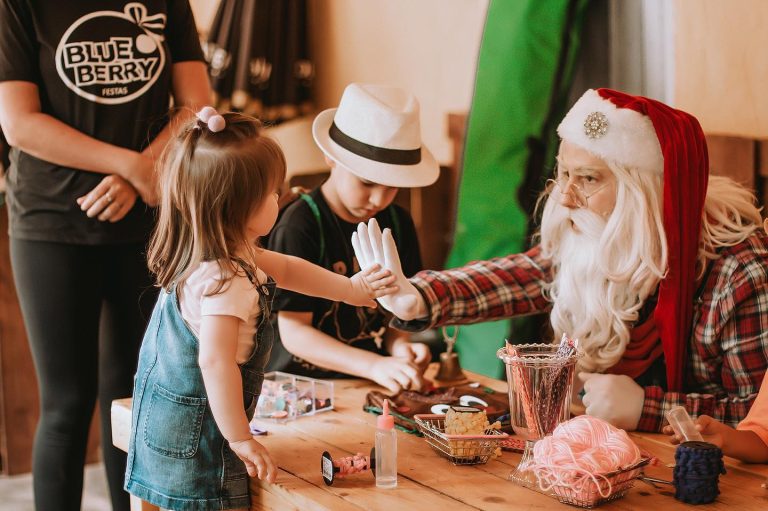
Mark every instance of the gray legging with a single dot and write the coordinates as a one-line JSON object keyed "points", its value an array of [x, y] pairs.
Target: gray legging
{"points": [[85, 309]]}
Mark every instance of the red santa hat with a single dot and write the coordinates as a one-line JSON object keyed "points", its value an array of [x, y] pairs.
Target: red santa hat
{"points": [[642, 133]]}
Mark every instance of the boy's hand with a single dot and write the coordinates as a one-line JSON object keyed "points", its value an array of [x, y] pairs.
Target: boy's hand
{"points": [[417, 352], [373, 282], [710, 429], [257, 460], [372, 247], [396, 374]]}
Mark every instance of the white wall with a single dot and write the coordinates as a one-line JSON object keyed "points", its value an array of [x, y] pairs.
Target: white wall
{"points": [[429, 47], [721, 70], [204, 10]]}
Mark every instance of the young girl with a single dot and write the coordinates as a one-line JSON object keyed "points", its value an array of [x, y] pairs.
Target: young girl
{"points": [[202, 359]]}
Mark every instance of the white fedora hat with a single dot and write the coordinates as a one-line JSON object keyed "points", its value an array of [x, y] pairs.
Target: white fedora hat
{"points": [[375, 133]]}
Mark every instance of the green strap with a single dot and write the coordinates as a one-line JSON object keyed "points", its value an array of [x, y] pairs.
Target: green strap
{"points": [[316, 212], [395, 223]]}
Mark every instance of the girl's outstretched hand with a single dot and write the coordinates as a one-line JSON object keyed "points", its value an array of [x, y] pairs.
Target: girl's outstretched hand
{"points": [[257, 460], [370, 283], [372, 247]]}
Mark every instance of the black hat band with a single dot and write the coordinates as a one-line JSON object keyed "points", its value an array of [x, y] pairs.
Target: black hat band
{"points": [[371, 152]]}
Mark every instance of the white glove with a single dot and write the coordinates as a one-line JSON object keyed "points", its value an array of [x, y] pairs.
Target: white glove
{"points": [[614, 398], [372, 247]]}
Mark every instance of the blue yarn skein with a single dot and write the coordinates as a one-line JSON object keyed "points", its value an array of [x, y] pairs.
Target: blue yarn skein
{"points": [[698, 466]]}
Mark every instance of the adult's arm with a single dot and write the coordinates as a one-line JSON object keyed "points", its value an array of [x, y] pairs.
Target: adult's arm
{"points": [[191, 92], [482, 290], [47, 138]]}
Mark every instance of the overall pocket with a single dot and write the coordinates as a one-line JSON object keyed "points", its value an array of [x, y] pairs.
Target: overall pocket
{"points": [[173, 423]]}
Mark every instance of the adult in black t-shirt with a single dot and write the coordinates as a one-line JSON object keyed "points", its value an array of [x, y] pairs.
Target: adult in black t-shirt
{"points": [[85, 87], [372, 144]]}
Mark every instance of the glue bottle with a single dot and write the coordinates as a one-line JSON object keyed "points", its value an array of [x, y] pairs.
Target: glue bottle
{"points": [[386, 449], [683, 425]]}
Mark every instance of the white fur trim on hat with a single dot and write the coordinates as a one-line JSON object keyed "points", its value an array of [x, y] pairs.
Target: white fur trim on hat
{"points": [[629, 137]]}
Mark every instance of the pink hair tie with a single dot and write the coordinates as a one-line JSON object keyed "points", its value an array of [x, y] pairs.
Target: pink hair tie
{"points": [[212, 118]]}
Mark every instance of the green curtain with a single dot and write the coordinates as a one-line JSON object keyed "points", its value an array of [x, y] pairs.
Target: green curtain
{"points": [[523, 75]]}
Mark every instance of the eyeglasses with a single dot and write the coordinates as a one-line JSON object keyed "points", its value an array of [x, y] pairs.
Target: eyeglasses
{"points": [[579, 194]]}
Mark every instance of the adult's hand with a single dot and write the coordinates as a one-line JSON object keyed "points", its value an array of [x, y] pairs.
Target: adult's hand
{"points": [[110, 200], [614, 398], [140, 172], [372, 247]]}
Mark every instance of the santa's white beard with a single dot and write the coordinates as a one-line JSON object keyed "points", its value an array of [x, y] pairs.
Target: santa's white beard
{"points": [[587, 304]]}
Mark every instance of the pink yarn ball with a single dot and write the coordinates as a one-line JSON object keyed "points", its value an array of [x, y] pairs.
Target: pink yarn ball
{"points": [[572, 460]]}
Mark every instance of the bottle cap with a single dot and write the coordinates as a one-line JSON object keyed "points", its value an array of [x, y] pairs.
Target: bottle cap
{"points": [[385, 420]]}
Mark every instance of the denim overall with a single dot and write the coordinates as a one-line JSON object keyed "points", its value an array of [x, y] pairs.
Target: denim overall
{"points": [[177, 457]]}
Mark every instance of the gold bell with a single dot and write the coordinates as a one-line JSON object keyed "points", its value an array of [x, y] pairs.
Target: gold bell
{"points": [[450, 369]]}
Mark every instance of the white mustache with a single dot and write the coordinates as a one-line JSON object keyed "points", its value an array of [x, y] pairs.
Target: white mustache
{"points": [[588, 223]]}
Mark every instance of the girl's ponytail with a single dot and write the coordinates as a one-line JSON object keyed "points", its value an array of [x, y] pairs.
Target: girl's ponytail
{"points": [[212, 175]]}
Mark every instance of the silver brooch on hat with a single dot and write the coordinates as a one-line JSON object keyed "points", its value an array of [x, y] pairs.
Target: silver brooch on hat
{"points": [[596, 125]]}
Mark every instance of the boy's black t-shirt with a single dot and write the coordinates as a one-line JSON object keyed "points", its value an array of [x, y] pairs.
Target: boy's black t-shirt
{"points": [[297, 233], [102, 67]]}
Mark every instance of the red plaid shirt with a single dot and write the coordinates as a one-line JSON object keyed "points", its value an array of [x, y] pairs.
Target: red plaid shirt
{"points": [[728, 351]]}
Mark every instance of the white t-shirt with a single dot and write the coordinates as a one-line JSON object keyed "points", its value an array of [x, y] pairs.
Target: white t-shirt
{"points": [[238, 298]]}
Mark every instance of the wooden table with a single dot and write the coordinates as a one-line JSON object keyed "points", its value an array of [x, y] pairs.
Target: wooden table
{"points": [[427, 481]]}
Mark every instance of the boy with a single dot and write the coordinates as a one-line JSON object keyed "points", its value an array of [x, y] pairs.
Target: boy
{"points": [[372, 143]]}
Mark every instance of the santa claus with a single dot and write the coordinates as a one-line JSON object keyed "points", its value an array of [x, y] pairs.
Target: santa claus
{"points": [[658, 268]]}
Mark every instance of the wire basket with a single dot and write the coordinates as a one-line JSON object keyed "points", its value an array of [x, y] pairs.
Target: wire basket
{"points": [[459, 449], [610, 486]]}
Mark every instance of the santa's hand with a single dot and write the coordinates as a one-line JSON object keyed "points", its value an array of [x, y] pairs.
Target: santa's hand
{"points": [[372, 247], [614, 398]]}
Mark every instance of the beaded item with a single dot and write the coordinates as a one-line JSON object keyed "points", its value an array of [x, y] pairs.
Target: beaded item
{"points": [[596, 125], [698, 466]]}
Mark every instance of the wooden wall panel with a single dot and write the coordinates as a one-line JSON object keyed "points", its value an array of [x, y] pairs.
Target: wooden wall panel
{"points": [[18, 385], [733, 157]]}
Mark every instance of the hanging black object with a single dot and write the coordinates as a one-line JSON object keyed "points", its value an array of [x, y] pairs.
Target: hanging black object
{"points": [[258, 60]]}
